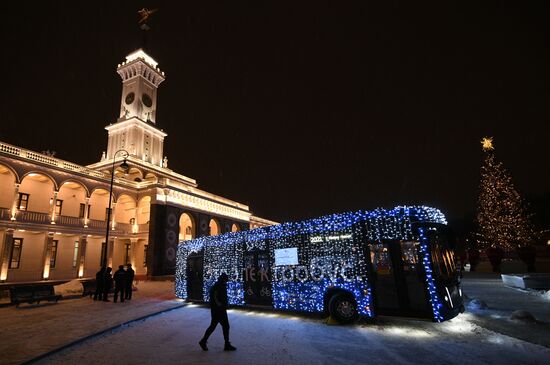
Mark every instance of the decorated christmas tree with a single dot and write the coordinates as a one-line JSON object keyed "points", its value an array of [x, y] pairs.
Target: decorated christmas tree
{"points": [[503, 224]]}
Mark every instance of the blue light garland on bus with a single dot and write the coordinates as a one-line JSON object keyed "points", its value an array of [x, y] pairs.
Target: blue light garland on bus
{"points": [[330, 234], [432, 292]]}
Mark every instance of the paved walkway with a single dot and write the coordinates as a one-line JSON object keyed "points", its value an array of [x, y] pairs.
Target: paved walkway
{"points": [[502, 301], [30, 330]]}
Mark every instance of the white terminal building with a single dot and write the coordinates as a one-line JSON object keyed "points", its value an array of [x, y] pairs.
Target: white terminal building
{"points": [[53, 213]]}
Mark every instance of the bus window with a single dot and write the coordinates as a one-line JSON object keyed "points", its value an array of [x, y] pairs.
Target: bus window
{"points": [[409, 254], [442, 256], [380, 258], [385, 288]]}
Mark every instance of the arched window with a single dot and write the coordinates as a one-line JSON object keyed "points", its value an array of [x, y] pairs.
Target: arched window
{"points": [[214, 227], [187, 227]]}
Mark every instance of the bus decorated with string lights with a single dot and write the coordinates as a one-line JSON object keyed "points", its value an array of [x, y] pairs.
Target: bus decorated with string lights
{"points": [[350, 265]]}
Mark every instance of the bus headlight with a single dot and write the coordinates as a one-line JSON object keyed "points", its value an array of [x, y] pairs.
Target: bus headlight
{"points": [[459, 291], [446, 298]]}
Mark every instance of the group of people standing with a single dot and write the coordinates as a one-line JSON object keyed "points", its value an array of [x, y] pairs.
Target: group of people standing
{"points": [[123, 280]]}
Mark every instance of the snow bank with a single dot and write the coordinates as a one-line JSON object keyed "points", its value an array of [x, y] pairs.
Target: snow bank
{"points": [[73, 287], [477, 304], [523, 316]]}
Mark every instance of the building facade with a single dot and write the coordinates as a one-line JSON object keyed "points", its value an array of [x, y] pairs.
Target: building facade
{"points": [[54, 214]]}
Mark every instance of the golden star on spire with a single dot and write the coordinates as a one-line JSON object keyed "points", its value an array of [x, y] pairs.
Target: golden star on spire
{"points": [[487, 143], [145, 14]]}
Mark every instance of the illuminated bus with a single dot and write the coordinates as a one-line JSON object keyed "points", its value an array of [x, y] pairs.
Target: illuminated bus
{"points": [[360, 264]]}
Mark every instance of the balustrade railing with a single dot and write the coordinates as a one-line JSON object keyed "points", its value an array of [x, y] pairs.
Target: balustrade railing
{"points": [[32, 217], [66, 221], [94, 223], [52, 161], [5, 214]]}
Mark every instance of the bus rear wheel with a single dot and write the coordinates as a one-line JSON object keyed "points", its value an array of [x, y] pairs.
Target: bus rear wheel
{"points": [[342, 307]]}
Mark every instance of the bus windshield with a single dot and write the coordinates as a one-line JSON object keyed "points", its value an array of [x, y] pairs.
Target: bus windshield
{"points": [[443, 259]]}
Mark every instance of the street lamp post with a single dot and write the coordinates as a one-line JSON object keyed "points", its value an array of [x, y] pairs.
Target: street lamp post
{"points": [[125, 167]]}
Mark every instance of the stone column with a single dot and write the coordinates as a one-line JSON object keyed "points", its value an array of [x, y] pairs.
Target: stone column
{"points": [[135, 227], [81, 255], [5, 254], [133, 251], [48, 242], [113, 224], [52, 208], [110, 249], [14, 207], [86, 209]]}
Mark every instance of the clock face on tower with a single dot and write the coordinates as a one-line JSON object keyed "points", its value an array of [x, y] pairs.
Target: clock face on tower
{"points": [[129, 98], [146, 99]]}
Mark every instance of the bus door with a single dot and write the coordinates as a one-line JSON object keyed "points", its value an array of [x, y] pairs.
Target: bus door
{"points": [[195, 277], [257, 278], [414, 277], [399, 285], [386, 297]]}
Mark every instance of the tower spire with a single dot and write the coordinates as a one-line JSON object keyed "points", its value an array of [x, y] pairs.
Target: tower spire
{"points": [[144, 17]]}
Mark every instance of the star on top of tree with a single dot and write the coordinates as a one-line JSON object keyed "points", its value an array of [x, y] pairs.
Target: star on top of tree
{"points": [[487, 143]]}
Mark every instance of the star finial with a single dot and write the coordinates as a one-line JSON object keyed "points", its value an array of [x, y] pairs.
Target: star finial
{"points": [[145, 14], [487, 143]]}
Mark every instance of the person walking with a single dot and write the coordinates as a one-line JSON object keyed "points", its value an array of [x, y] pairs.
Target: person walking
{"points": [[107, 284], [99, 283], [218, 311], [129, 280], [120, 283]]}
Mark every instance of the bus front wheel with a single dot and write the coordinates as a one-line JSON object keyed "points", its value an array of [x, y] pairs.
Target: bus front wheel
{"points": [[342, 307]]}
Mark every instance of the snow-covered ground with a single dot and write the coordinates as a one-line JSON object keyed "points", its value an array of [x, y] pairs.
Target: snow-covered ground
{"points": [[476, 337], [274, 338], [502, 301], [30, 330]]}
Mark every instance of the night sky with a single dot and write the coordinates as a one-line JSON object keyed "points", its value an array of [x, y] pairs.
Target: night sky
{"points": [[296, 108]]}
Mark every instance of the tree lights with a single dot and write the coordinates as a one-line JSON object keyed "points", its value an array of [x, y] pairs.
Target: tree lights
{"points": [[502, 220], [331, 255]]}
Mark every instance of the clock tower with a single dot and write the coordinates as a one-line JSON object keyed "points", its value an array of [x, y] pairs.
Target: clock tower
{"points": [[135, 130]]}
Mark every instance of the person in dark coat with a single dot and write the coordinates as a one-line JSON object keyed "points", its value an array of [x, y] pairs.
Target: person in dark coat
{"points": [[107, 283], [120, 283], [218, 310], [129, 280], [99, 283]]}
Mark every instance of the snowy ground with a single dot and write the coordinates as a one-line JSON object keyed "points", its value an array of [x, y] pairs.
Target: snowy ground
{"points": [[30, 330], [481, 336], [269, 338], [502, 301]]}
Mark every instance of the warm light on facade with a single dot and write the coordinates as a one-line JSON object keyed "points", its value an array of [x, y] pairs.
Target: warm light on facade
{"points": [[139, 54], [78, 212], [46, 273]]}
